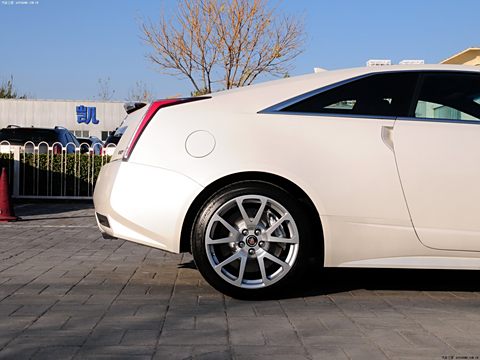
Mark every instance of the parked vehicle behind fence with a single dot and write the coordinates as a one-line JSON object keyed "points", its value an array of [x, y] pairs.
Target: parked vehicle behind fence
{"points": [[58, 139], [90, 144]]}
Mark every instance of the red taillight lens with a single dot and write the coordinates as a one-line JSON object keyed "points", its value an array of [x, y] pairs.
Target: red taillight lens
{"points": [[152, 110]]}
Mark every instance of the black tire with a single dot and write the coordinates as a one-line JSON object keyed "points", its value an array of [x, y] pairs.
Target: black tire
{"points": [[263, 276]]}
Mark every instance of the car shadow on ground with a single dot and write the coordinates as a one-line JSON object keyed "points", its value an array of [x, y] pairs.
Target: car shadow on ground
{"points": [[24, 209], [319, 281]]}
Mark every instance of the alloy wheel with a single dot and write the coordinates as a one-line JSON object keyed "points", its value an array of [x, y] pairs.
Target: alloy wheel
{"points": [[251, 241]]}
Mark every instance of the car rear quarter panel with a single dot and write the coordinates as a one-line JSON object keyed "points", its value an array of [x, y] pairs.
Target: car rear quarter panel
{"points": [[341, 164], [344, 162]]}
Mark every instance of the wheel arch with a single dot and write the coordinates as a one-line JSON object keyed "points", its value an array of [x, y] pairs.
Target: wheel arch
{"points": [[317, 245]]}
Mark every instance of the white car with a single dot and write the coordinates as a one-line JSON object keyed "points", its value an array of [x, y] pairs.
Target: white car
{"points": [[368, 167]]}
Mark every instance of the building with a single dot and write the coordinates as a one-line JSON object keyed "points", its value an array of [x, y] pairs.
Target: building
{"points": [[83, 118], [379, 62], [388, 62], [470, 56]]}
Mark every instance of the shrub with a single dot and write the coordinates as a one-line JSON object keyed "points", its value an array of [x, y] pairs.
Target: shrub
{"points": [[57, 174]]}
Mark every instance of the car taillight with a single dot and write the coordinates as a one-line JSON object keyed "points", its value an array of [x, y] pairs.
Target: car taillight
{"points": [[152, 110]]}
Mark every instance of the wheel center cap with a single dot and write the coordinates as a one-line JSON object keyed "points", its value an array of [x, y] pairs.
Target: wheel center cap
{"points": [[251, 240]]}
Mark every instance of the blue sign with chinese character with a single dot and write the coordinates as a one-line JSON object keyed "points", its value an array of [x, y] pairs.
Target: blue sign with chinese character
{"points": [[87, 115]]}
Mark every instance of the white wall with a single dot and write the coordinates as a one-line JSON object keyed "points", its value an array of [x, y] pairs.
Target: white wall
{"points": [[50, 113]]}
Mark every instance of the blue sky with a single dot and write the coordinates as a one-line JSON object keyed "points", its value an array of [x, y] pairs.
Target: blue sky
{"points": [[58, 49]]}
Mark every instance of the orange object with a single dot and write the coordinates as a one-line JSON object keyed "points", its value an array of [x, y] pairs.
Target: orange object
{"points": [[6, 208]]}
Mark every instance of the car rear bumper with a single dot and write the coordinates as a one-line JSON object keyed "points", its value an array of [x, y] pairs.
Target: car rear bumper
{"points": [[143, 204]]}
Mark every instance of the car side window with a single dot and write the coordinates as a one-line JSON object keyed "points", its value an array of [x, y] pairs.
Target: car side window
{"points": [[385, 94], [449, 96]]}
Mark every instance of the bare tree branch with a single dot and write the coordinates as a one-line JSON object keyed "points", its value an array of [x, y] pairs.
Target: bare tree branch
{"points": [[140, 92], [227, 43], [105, 92]]}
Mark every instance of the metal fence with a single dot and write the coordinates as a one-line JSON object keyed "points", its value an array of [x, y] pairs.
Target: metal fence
{"points": [[53, 171]]}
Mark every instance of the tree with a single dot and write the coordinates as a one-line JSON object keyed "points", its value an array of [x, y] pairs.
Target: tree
{"points": [[227, 43], [140, 92], [105, 92], [8, 91]]}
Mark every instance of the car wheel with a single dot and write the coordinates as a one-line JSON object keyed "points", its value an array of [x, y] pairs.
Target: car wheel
{"points": [[250, 240]]}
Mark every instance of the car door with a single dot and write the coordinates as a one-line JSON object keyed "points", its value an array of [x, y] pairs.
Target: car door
{"points": [[347, 127], [438, 157]]}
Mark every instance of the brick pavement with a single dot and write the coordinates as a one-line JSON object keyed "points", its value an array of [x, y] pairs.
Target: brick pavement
{"points": [[67, 293]]}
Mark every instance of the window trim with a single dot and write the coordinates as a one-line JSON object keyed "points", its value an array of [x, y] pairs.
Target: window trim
{"points": [[452, 121], [277, 108]]}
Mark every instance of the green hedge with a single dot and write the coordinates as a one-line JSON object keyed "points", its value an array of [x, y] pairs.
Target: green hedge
{"points": [[56, 175]]}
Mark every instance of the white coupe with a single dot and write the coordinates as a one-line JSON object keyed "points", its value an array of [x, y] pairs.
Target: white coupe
{"points": [[367, 167]]}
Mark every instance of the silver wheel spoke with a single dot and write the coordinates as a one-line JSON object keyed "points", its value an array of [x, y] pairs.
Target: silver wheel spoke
{"points": [[277, 223], [260, 211], [258, 215], [261, 265], [225, 240], [275, 239], [243, 212], [229, 227], [241, 271], [218, 268], [276, 260]]}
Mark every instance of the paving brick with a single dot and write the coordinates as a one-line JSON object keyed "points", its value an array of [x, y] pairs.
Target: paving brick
{"points": [[173, 352], [364, 352], [56, 352], [15, 324], [49, 322], [193, 337], [67, 293], [380, 323], [81, 322], [205, 352], [334, 340], [19, 351], [115, 352], [321, 353], [387, 338], [270, 352], [282, 337], [151, 311], [103, 336], [51, 339], [240, 310], [421, 353], [180, 323], [422, 339], [140, 337], [7, 309], [209, 322], [244, 332]]}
